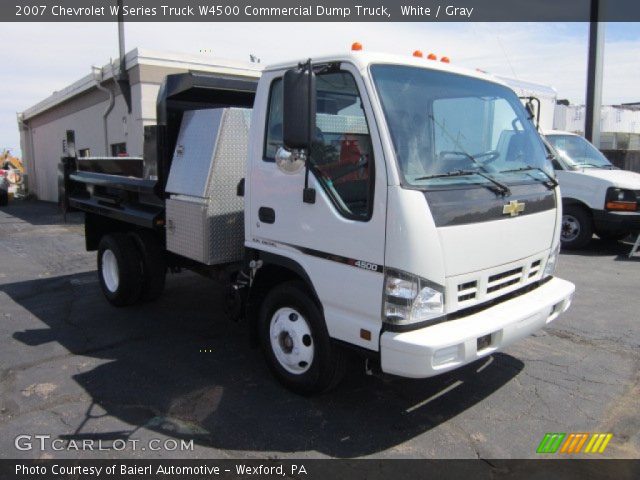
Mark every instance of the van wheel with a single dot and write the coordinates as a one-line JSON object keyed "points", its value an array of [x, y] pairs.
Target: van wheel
{"points": [[119, 269], [296, 343], [576, 229], [154, 265]]}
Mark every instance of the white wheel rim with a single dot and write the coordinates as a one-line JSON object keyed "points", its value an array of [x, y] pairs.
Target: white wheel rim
{"points": [[291, 340], [110, 273], [570, 228]]}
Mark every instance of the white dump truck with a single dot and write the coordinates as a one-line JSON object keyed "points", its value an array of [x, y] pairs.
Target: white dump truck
{"points": [[400, 207]]}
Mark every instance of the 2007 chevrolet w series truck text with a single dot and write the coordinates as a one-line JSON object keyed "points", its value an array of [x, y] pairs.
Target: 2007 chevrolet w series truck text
{"points": [[402, 207]]}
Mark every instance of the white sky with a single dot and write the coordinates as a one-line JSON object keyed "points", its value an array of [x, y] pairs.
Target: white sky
{"points": [[40, 58]]}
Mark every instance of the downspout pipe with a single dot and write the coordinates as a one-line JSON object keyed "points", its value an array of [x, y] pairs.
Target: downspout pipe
{"points": [[122, 79], [98, 75]]}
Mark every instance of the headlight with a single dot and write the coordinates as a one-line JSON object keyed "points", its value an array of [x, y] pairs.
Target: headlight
{"points": [[552, 261], [621, 199], [410, 299]]}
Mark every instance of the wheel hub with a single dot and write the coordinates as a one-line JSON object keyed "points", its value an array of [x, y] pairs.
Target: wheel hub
{"points": [[291, 340], [570, 228], [110, 273]]}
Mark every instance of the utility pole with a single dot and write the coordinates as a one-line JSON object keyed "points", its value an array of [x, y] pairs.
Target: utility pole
{"points": [[594, 75]]}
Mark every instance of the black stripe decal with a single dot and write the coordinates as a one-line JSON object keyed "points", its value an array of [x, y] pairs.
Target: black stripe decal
{"points": [[473, 205], [353, 262]]}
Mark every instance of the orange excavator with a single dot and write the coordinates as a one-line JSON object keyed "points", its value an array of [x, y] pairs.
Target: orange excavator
{"points": [[11, 176]]}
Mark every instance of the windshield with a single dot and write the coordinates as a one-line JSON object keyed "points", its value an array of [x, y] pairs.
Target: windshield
{"points": [[446, 127], [578, 152]]}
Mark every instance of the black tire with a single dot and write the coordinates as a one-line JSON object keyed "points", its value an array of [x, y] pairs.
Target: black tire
{"points": [[154, 265], [327, 366], [4, 198], [612, 236], [576, 227], [129, 269]]}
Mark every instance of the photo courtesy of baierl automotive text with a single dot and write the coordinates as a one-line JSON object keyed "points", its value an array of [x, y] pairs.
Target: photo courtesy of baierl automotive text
{"points": [[270, 239]]}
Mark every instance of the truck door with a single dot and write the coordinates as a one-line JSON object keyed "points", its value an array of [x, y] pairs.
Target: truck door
{"points": [[339, 240]]}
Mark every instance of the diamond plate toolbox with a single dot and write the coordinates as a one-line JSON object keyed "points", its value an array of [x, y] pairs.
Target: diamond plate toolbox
{"points": [[205, 217]]}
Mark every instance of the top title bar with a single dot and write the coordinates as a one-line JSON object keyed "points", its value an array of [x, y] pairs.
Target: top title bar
{"points": [[320, 10]]}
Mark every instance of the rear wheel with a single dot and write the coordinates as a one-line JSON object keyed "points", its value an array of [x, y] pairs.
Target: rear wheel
{"points": [[4, 198], [119, 269], [577, 228], [154, 265], [296, 343]]}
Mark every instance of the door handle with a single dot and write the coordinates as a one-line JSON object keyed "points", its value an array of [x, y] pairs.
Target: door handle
{"points": [[267, 215]]}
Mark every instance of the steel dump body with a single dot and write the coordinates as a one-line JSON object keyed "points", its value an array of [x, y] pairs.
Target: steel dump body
{"points": [[133, 189]]}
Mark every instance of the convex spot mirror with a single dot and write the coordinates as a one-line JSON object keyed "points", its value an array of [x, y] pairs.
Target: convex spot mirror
{"points": [[290, 161]]}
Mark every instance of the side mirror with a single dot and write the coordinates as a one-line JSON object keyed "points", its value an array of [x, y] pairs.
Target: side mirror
{"points": [[299, 112], [290, 161], [530, 109]]}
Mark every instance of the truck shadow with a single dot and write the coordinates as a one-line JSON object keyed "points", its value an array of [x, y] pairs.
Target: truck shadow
{"points": [[177, 367], [607, 248]]}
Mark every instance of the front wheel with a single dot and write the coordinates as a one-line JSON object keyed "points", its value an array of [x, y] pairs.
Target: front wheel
{"points": [[577, 228], [296, 343]]}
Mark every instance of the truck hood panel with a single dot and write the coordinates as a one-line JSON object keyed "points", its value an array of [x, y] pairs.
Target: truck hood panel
{"points": [[473, 247], [476, 233]]}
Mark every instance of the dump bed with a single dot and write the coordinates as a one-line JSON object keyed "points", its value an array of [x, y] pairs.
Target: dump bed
{"points": [[132, 189]]}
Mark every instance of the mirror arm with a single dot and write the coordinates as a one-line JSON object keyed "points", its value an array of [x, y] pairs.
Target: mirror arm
{"points": [[309, 194]]}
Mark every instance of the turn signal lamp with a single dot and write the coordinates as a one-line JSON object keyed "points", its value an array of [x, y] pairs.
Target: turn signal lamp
{"points": [[621, 199], [417, 53], [624, 206], [445, 59], [356, 46], [432, 56]]}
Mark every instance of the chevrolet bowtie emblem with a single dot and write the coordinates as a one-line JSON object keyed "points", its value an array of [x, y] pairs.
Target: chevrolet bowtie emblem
{"points": [[513, 208]]}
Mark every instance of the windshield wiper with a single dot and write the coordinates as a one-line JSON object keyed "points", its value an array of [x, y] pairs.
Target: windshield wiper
{"points": [[552, 183], [608, 167], [500, 187]]}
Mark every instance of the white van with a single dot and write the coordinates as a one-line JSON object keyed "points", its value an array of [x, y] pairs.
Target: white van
{"points": [[597, 197]]}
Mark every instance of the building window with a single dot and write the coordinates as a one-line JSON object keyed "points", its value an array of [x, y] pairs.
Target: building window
{"points": [[84, 152], [118, 149]]}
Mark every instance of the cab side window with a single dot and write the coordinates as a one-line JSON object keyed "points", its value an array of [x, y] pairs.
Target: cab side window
{"points": [[341, 152], [273, 137]]}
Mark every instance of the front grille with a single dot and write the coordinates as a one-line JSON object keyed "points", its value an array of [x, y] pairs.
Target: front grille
{"points": [[473, 290], [535, 268], [467, 291], [502, 280]]}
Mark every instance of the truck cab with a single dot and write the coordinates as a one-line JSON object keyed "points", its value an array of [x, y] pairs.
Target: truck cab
{"points": [[434, 233], [597, 196], [397, 207]]}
